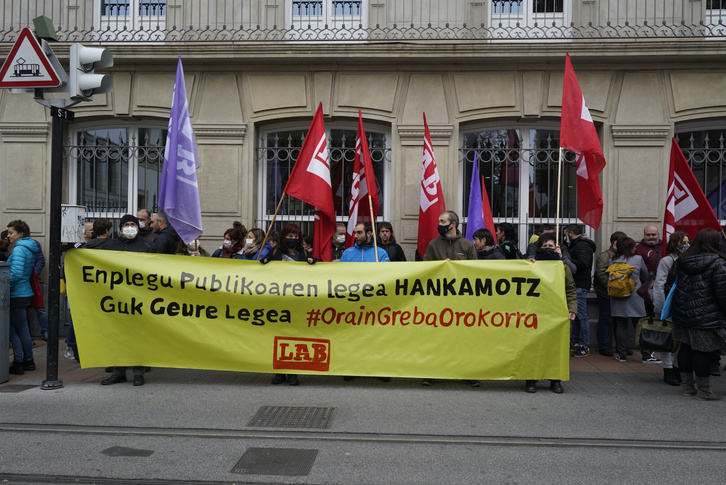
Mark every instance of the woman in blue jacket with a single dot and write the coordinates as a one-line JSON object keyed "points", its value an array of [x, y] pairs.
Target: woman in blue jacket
{"points": [[22, 260]]}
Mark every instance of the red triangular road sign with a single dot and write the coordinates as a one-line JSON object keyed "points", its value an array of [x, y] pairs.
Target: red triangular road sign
{"points": [[27, 66]]}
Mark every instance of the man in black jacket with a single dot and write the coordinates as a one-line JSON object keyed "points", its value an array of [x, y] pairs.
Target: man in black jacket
{"points": [[167, 239], [581, 251]]}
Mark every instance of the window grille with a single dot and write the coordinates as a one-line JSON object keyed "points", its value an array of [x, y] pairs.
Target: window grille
{"points": [[117, 170], [510, 159], [705, 152], [276, 155]]}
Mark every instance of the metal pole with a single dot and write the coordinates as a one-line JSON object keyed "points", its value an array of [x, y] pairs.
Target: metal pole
{"points": [[59, 115]]}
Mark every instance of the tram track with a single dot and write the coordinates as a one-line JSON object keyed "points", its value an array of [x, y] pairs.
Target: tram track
{"points": [[342, 436]]}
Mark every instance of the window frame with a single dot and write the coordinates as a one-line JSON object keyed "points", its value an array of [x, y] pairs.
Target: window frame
{"points": [[132, 182], [523, 220], [263, 219]]}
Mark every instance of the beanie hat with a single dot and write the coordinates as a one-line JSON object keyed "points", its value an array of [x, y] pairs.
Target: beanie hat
{"points": [[129, 218]]}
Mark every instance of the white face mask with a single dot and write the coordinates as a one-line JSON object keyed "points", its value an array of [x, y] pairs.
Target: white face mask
{"points": [[142, 225], [227, 243], [250, 242], [129, 232], [340, 238]]}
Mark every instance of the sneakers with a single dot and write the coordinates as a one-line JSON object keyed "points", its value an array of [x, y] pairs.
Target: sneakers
{"points": [[68, 354], [472, 383], [29, 364], [606, 352], [620, 358], [581, 352], [427, 382], [650, 359]]}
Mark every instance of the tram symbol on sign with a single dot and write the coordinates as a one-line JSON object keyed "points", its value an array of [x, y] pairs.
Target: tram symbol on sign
{"points": [[22, 69]]}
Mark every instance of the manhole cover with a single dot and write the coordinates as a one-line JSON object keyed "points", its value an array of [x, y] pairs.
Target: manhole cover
{"points": [[276, 461], [292, 417]]}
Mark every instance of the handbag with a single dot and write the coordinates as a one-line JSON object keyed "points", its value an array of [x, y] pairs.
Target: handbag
{"points": [[654, 334], [646, 290], [668, 303], [37, 299]]}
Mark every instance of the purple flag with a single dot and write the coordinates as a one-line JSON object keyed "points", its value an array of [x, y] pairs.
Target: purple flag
{"points": [[716, 195], [178, 190], [475, 217]]}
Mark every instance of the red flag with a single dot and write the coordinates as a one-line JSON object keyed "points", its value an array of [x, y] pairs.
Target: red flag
{"points": [[687, 209], [431, 203], [577, 133], [487, 210], [310, 182], [310, 177], [323, 230], [364, 183]]}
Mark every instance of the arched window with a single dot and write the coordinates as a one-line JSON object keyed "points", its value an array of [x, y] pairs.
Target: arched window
{"points": [[519, 166], [115, 170], [277, 151], [704, 146]]}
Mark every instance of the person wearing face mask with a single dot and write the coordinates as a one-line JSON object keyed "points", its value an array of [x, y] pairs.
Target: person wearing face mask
{"points": [[338, 242], [548, 250], [145, 230], [289, 249], [232, 247], [251, 249], [677, 244], [600, 282], [450, 245], [129, 241]]}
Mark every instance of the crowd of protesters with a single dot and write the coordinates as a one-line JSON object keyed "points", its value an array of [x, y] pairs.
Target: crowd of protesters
{"points": [[696, 273]]}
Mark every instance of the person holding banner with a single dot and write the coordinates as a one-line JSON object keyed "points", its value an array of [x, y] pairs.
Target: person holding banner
{"points": [[290, 249], [252, 249], [549, 250], [699, 312], [129, 241], [450, 245], [232, 246], [485, 246]]}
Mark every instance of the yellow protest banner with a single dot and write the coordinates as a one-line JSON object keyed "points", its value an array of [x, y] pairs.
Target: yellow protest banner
{"points": [[455, 319]]}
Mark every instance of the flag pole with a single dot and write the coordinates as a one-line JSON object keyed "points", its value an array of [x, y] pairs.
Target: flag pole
{"points": [[373, 225], [272, 222], [559, 190]]}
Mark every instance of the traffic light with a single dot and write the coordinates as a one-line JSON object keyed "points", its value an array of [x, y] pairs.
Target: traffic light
{"points": [[84, 83]]}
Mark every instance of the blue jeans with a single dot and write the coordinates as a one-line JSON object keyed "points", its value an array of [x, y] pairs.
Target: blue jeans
{"points": [[20, 335], [604, 322], [580, 327]]}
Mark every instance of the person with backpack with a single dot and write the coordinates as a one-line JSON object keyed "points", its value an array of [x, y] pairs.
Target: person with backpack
{"points": [[626, 305]]}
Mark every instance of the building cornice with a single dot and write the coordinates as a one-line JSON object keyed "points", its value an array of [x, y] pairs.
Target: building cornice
{"points": [[640, 135], [24, 132]]}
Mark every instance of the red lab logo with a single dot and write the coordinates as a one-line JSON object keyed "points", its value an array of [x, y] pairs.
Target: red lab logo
{"points": [[301, 354]]}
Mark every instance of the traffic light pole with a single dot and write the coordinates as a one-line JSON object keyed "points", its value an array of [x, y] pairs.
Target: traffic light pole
{"points": [[59, 115]]}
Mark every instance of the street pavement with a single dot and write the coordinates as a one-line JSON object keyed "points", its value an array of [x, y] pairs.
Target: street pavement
{"points": [[615, 423]]}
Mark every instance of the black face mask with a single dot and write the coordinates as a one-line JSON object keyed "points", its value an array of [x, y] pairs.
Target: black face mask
{"points": [[444, 229], [292, 243], [546, 254]]}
